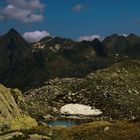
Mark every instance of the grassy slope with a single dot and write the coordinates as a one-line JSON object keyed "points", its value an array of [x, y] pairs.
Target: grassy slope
{"points": [[103, 130], [100, 131]]}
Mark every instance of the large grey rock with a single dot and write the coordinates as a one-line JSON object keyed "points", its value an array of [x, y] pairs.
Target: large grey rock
{"points": [[8, 106], [12, 135], [38, 137]]}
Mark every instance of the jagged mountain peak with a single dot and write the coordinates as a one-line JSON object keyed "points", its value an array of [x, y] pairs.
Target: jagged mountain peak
{"points": [[114, 36], [96, 40], [12, 30], [14, 49], [12, 33], [14, 38], [132, 36], [46, 39]]}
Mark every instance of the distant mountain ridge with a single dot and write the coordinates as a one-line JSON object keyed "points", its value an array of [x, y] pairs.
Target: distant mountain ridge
{"points": [[25, 65], [123, 46]]}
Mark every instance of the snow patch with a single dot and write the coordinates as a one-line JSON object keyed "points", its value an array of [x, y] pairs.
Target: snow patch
{"points": [[39, 45], [55, 48], [79, 109]]}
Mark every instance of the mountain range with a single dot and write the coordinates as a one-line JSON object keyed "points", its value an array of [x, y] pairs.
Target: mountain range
{"points": [[28, 65], [58, 72]]}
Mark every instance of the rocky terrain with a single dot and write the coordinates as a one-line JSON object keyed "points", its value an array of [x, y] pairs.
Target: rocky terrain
{"points": [[114, 90], [15, 125], [94, 82]]}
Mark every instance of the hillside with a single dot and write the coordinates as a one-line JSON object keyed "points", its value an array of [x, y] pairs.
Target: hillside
{"points": [[114, 90]]}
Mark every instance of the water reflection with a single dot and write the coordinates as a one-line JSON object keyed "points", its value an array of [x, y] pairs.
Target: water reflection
{"points": [[68, 122]]}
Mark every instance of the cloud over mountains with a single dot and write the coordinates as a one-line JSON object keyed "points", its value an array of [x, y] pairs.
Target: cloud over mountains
{"points": [[35, 36], [89, 38], [25, 11]]}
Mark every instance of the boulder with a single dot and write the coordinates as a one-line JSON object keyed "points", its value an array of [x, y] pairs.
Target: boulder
{"points": [[38, 137], [8, 106], [10, 113], [12, 135]]}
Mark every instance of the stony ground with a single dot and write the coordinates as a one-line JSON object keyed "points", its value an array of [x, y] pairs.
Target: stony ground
{"points": [[114, 90]]}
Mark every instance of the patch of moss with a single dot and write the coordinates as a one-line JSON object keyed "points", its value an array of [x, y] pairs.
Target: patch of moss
{"points": [[21, 122]]}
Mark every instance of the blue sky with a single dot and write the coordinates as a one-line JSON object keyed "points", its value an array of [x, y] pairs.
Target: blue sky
{"points": [[75, 18]]}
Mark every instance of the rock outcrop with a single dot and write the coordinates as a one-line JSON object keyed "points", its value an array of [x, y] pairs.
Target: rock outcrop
{"points": [[8, 106], [12, 135], [11, 117]]}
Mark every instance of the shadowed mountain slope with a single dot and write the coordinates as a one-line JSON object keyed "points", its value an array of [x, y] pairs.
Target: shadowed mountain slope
{"points": [[26, 65]]}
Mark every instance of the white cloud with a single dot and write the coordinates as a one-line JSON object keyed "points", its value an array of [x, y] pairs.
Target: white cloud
{"points": [[35, 36], [78, 8], [89, 38], [26, 11]]}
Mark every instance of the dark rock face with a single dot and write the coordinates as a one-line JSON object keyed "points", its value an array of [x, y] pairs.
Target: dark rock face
{"points": [[13, 50], [26, 65], [49, 58], [122, 47]]}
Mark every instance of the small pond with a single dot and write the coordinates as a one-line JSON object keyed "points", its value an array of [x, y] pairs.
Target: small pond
{"points": [[63, 123], [68, 122]]}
